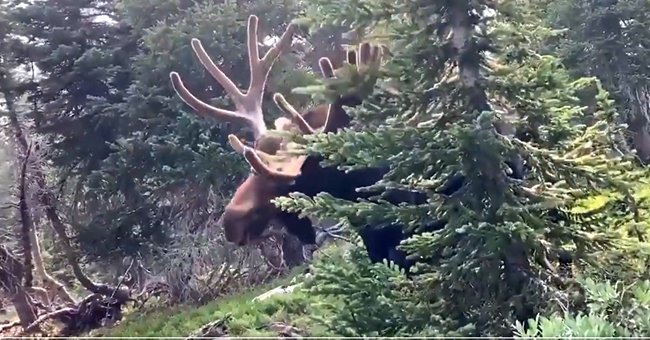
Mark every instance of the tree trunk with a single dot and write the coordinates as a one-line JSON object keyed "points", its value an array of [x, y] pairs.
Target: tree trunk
{"points": [[51, 284], [11, 274], [641, 140], [24, 308], [48, 201], [26, 224]]}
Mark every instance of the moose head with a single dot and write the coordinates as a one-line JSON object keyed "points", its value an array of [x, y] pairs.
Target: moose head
{"points": [[274, 172]]}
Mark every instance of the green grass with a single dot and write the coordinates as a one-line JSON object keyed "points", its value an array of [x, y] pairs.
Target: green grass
{"points": [[248, 318]]}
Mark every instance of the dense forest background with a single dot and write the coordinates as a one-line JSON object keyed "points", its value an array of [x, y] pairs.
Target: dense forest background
{"points": [[111, 186]]}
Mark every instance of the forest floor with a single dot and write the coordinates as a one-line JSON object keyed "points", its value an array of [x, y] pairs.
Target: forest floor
{"points": [[282, 314], [286, 314], [8, 315], [279, 315]]}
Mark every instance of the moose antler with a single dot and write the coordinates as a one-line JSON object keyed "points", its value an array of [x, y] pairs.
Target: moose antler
{"points": [[285, 166], [248, 106], [350, 82]]}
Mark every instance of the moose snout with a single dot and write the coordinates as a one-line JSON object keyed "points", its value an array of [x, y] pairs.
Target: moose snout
{"points": [[232, 234], [235, 228]]}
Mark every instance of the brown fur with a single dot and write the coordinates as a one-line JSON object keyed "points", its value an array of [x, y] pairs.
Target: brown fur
{"points": [[248, 213]]}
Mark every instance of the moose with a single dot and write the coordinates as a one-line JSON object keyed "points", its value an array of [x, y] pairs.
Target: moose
{"points": [[275, 173], [250, 211]]}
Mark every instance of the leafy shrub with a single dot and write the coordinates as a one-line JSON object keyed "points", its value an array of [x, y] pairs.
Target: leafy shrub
{"points": [[612, 310]]}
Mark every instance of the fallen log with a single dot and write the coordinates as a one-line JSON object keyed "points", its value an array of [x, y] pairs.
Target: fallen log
{"points": [[276, 291], [90, 313]]}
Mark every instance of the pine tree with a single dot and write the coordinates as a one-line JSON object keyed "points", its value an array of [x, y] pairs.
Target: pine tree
{"points": [[610, 40], [472, 95]]}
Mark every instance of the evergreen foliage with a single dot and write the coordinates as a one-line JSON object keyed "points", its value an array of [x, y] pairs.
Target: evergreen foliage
{"points": [[493, 264], [479, 89], [130, 157], [609, 40]]}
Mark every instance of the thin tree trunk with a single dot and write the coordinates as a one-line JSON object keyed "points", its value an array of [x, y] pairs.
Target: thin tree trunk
{"points": [[51, 284], [639, 100], [26, 225], [72, 256], [24, 308], [517, 264], [641, 142]]}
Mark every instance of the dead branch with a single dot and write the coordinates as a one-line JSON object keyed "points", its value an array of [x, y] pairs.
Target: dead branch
{"points": [[90, 313], [334, 232], [42, 294], [276, 291], [53, 286], [285, 331], [71, 255], [123, 278], [49, 282], [9, 325], [152, 289], [213, 329], [48, 201], [48, 316]]}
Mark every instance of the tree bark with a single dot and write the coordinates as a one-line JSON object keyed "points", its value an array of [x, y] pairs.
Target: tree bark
{"points": [[641, 142], [26, 224]]}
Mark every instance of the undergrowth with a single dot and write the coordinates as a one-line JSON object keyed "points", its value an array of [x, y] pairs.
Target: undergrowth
{"points": [[248, 318], [306, 312]]}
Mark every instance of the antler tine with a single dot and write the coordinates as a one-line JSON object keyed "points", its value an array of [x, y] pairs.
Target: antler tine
{"points": [[326, 68], [282, 103], [200, 106], [248, 105], [254, 159], [260, 68]]}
